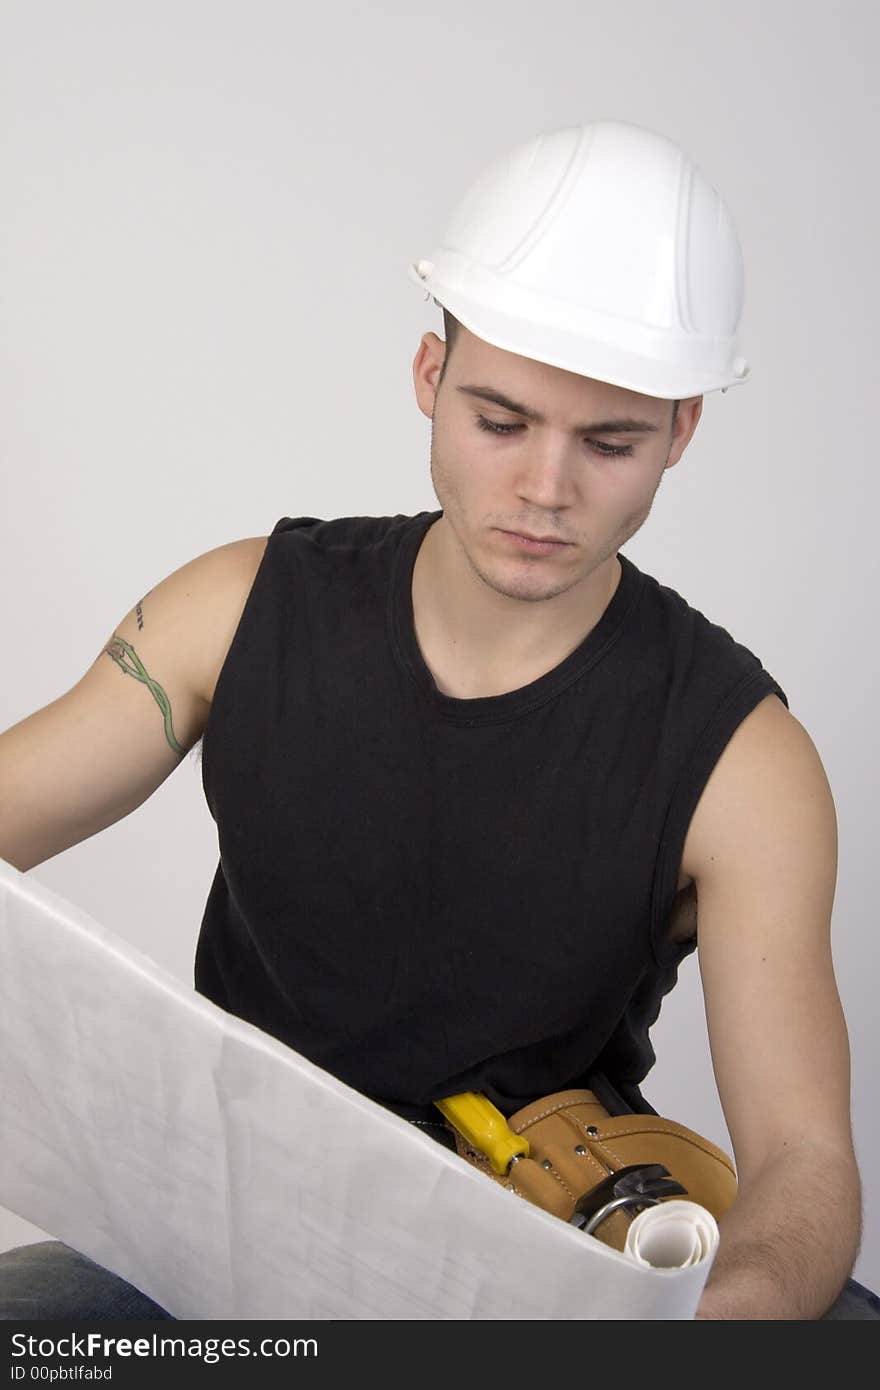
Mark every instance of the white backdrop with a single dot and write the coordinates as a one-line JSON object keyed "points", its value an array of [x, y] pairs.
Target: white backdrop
{"points": [[208, 212]]}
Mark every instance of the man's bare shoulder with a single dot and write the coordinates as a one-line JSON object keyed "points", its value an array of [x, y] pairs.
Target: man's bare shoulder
{"points": [[224, 577], [768, 737]]}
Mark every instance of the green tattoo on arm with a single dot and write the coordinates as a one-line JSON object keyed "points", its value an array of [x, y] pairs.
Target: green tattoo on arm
{"points": [[118, 649]]}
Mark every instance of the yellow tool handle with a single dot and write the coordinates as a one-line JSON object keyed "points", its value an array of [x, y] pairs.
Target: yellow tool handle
{"points": [[484, 1126]]}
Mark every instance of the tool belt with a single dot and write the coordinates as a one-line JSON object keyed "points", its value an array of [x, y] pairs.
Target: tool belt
{"points": [[592, 1169]]}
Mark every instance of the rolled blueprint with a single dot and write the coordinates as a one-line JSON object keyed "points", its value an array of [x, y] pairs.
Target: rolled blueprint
{"points": [[227, 1176], [672, 1235]]}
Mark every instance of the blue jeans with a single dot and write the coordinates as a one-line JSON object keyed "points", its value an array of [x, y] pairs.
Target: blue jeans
{"points": [[50, 1280]]}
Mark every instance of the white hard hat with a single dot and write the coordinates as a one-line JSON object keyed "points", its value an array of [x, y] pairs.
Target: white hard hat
{"points": [[602, 249]]}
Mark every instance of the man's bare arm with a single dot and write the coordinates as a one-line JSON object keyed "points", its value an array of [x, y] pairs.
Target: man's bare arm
{"points": [[763, 853], [127, 659], [95, 754]]}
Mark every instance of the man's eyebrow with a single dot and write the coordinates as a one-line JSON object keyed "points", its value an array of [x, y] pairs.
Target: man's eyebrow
{"points": [[623, 425]]}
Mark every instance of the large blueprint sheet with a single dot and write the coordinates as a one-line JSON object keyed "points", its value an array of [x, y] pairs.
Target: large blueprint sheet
{"points": [[228, 1177]]}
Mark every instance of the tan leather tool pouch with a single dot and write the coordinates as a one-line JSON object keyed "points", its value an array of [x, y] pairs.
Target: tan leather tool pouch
{"points": [[575, 1144]]}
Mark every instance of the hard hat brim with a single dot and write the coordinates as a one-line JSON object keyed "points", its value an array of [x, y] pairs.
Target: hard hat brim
{"points": [[573, 352]]}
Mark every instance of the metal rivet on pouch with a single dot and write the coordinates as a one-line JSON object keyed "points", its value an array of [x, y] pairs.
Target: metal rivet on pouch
{"points": [[591, 1129], [579, 1149], [547, 1163]]}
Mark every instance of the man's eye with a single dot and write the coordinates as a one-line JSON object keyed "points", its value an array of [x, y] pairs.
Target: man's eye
{"points": [[496, 429], [602, 449]]}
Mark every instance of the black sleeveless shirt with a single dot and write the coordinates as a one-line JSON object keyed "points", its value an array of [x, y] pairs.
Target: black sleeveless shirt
{"points": [[426, 895]]}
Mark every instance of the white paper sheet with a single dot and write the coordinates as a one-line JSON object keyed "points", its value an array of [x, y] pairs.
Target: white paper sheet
{"points": [[227, 1176]]}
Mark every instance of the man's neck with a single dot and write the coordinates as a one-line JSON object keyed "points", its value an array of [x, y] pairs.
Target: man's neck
{"points": [[478, 642]]}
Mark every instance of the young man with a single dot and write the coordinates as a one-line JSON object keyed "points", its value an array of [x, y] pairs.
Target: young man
{"points": [[474, 772]]}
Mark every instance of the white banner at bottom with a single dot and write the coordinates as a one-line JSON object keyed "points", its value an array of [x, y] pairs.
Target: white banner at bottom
{"points": [[226, 1176]]}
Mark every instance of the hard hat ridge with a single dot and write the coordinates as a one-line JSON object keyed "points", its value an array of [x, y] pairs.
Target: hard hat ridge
{"points": [[601, 249]]}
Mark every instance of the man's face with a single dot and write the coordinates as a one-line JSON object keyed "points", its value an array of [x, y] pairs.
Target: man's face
{"points": [[578, 475]]}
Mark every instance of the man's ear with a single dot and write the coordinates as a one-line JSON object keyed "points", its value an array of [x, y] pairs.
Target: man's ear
{"points": [[427, 366], [686, 421]]}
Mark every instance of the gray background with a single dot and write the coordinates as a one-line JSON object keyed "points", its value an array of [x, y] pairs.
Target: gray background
{"points": [[208, 211]]}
